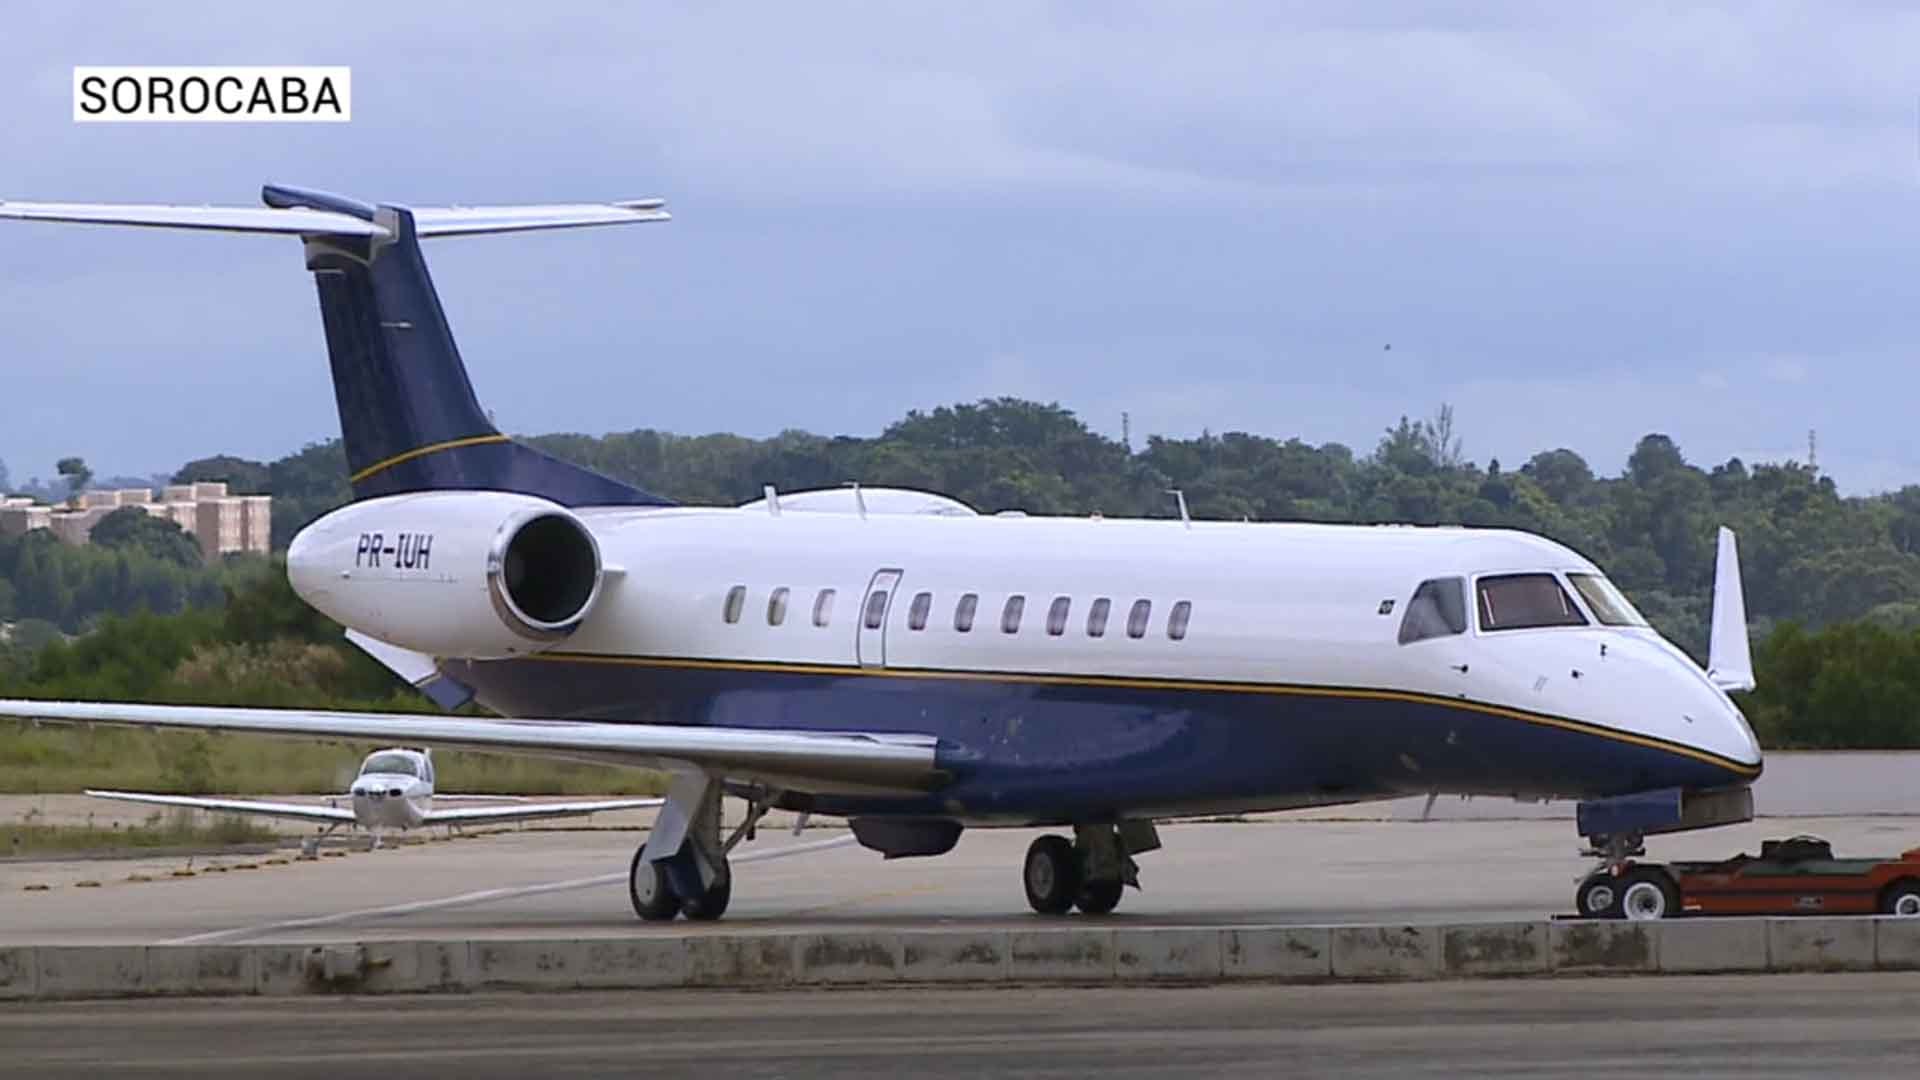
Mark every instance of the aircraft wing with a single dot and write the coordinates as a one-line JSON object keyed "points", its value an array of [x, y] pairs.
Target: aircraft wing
{"points": [[818, 762], [297, 811], [469, 815]]}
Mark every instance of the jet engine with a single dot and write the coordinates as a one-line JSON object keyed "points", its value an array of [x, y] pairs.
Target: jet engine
{"points": [[467, 574]]}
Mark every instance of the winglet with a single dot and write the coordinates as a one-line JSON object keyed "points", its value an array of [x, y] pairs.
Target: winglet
{"points": [[1729, 657]]}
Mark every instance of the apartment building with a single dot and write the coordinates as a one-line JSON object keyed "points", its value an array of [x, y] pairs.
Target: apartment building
{"points": [[220, 522]]}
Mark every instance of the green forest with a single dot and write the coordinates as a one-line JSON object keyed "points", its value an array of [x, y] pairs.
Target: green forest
{"points": [[1833, 582]]}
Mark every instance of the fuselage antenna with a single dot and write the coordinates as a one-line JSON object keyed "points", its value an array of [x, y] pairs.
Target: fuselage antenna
{"points": [[773, 499], [859, 500], [1180, 500]]}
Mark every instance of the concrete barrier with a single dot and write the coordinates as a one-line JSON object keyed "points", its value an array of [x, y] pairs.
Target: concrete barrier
{"points": [[1697, 946], [1100, 953], [1603, 948], [1518, 948], [1814, 944], [1167, 954], [1896, 944], [19, 973], [1276, 952], [1064, 955], [954, 956], [1385, 952]]}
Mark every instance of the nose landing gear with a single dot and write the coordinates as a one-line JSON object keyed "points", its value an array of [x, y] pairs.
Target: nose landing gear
{"points": [[1088, 872]]}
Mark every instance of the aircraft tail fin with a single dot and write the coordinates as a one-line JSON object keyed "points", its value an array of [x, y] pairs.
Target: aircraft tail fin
{"points": [[1729, 655], [409, 418]]}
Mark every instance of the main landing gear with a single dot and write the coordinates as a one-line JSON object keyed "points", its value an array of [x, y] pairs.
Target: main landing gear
{"points": [[682, 868], [1089, 871]]}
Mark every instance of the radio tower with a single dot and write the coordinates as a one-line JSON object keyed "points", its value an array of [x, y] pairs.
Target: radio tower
{"points": [[1813, 451], [1126, 431]]}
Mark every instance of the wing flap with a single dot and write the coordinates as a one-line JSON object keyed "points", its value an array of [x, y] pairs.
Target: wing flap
{"points": [[841, 762], [468, 815], [296, 811]]}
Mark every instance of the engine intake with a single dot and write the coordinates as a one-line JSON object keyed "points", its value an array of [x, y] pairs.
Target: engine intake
{"points": [[544, 573]]}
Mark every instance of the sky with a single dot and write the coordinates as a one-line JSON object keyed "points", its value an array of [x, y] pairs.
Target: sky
{"points": [[1577, 224]]}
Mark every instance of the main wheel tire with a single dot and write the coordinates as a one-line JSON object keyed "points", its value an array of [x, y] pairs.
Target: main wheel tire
{"points": [[1099, 897], [1901, 898], [647, 886], [1052, 875], [1647, 895], [1598, 897], [710, 904]]}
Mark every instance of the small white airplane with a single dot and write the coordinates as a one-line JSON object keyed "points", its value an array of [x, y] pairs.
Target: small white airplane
{"points": [[896, 659], [394, 790]]}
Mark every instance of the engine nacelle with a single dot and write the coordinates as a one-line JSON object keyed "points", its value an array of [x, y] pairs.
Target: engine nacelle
{"points": [[469, 574]]}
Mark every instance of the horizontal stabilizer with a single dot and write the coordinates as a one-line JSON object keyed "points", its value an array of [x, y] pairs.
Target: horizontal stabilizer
{"points": [[854, 762], [1729, 654], [243, 219], [311, 221]]}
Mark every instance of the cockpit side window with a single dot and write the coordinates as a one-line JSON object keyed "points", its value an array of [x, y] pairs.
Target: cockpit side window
{"points": [[1525, 602], [1438, 609], [1605, 601]]}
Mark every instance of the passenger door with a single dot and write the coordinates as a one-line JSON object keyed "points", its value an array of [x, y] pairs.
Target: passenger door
{"points": [[871, 646]]}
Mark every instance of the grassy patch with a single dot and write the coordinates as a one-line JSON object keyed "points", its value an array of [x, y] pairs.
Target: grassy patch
{"points": [[158, 831], [61, 758]]}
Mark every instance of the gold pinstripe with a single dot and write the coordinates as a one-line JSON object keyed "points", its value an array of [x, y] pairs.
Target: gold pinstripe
{"points": [[419, 451], [1128, 682]]}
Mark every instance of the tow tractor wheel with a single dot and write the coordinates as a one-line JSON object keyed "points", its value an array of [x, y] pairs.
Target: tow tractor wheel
{"points": [[1052, 875], [1647, 894], [1902, 899], [1598, 897], [653, 898], [710, 904], [1099, 897]]}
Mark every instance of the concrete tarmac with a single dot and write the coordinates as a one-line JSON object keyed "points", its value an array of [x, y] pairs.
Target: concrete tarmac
{"points": [[562, 884], [1749, 1026]]}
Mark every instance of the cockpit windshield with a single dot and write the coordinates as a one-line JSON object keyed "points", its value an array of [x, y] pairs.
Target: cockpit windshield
{"points": [[391, 764], [1606, 601], [1525, 602]]}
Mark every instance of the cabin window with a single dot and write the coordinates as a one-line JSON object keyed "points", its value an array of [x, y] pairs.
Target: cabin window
{"points": [[963, 612], [917, 614], [1178, 618], [823, 607], [876, 609], [1057, 616], [1137, 618], [1438, 609], [1097, 617], [1605, 601], [1525, 602], [777, 606], [736, 601], [1010, 615]]}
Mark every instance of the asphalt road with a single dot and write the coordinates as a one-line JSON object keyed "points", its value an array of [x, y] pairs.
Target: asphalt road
{"points": [[572, 884], [1754, 1026]]}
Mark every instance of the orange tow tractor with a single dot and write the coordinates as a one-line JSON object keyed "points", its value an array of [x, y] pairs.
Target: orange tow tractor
{"points": [[1797, 876]]}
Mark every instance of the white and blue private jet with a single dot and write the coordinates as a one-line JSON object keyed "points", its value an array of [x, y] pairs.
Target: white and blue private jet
{"points": [[895, 659]]}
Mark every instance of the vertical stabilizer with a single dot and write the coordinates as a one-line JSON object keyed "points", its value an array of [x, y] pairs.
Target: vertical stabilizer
{"points": [[1729, 656], [408, 415]]}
